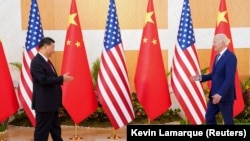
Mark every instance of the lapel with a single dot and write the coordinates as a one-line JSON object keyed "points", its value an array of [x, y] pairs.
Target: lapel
{"points": [[222, 57], [45, 64]]}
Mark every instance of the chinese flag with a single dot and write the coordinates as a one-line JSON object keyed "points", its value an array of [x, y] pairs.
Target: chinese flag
{"points": [[150, 77], [8, 99], [79, 98], [223, 26]]}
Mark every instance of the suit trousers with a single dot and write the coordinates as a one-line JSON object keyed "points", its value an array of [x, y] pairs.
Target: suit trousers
{"points": [[47, 122], [226, 109]]}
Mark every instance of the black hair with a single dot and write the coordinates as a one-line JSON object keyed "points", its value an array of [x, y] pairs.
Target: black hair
{"points": [[46, 41]]}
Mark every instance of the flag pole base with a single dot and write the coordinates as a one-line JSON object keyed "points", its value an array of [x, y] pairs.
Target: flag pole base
{"points": [[76, 138], [3, 135], [114, 137]]}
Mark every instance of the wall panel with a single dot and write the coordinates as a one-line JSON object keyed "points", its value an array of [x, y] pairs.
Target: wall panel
{"points": [[93, 13]]}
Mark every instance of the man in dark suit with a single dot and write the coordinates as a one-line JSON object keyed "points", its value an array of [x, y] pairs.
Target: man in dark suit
{"points": [[222, 93], [47, 92]]}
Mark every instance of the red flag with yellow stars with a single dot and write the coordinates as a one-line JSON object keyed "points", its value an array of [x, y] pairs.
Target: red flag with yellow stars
{"points": [[79, 98], [223, 26], [150, 77], [8, 99]]}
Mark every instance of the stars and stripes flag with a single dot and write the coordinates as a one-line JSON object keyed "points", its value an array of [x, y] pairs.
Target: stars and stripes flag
{"points": [[185, 63], [34, 36], [151, 83], [8, 99], [79, 98], [112, 84], [223, 26]]}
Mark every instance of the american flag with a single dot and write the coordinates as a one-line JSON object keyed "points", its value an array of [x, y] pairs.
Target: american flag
{"points": [[189, 94], [34, 35], [112, 84]]}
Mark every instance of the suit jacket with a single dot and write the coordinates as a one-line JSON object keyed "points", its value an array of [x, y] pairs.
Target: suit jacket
{"points": [[223, 76], [47, 91]]}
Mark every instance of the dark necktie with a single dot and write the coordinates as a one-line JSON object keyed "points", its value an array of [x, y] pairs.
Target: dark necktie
{"points": [[51, 66]]}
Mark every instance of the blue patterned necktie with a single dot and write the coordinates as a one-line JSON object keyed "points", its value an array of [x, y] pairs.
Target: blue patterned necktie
{"points": [[217, 58]]}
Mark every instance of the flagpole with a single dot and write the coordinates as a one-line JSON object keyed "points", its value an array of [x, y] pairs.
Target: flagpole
{"points": [[114, 136], [76, 137]]}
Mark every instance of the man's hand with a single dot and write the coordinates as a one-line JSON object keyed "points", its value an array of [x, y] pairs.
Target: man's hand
{"points": [[216, 98], [67, 77], [196, 77]]}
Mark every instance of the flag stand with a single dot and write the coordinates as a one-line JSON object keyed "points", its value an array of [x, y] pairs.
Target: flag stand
{"points": [[2, 135], [114, 136], [148, 121], [76, 137]]}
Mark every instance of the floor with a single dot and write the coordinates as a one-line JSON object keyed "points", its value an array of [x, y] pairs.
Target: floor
{"points": [[69, 133]]}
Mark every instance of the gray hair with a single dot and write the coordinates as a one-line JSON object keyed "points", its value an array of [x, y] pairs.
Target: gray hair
{"points": [[223, 38]]}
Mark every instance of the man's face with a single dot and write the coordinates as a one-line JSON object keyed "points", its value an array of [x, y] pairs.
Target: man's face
{"points": [[50, 49], [218, 44]]}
